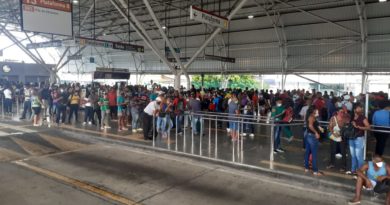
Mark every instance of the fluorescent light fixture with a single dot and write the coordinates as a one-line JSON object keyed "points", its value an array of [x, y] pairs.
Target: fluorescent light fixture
{"points": [[164, 27], [251, 17], [382, 0]]}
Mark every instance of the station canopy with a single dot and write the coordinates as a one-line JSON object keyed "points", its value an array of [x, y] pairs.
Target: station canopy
{"points": [[206, 36]]}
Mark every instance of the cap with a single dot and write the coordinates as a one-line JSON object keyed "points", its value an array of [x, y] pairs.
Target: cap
{"points": [[158, 99]]}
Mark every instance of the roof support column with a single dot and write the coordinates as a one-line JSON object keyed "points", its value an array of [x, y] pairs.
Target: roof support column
{"points": [[361, 10], [184, 69]]}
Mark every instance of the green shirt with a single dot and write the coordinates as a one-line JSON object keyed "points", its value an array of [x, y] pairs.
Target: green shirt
{"points": [[277, 111], [104, 104]]}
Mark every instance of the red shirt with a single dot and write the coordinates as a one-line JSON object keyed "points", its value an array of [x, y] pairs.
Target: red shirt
{"points": [[112, 99]]}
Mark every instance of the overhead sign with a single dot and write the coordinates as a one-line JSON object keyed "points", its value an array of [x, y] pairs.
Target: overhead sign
{"points": [[56, 43], [207, 17], [47, 16], [107, 73], [110, 44], [220, 58], [75, 57], [173, 60]]}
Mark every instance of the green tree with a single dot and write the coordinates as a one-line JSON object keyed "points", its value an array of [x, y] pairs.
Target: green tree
{"points": [[235, 81]]}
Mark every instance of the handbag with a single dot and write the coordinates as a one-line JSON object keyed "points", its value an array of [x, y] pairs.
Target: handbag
{"points": [[332, 136], [348, 131], [382, 187]]}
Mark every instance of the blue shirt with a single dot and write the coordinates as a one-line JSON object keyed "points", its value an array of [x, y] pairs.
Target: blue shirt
{"points": [[381, 118], [120, 101]]}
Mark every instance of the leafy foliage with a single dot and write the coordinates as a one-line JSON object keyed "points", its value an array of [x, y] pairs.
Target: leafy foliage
{"points": [[234, 81]]}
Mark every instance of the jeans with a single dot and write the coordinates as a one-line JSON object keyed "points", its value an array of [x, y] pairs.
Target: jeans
{"points": [[98, 114], [333, 152], [356, 147], [104, 118], [277, 133], [134, 119], [179, 119], [311, 148], [74, 109], [195, 120], [26, 108], [161, 124], [381, 139], [8, 105], [88, 114], [61, 109]]}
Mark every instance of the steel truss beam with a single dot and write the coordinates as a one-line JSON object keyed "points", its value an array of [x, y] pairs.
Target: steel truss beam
{"points": [[240, 4]]}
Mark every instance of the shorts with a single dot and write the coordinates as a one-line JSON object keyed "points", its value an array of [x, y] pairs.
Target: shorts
{"points": [[37, 110], [120, 113], [233, 126]]}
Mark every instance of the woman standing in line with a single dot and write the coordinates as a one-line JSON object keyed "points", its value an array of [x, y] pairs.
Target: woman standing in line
{"points": [[356, 143], [36, 105], [312, 136]]}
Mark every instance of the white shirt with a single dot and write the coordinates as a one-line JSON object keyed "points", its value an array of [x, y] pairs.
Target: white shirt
{"points": [[303, 112], [151, 108], [348, 105], [7, 94]]}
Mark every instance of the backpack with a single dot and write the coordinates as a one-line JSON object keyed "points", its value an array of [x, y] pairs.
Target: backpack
{"points": [[288, 115], [348, 131]]}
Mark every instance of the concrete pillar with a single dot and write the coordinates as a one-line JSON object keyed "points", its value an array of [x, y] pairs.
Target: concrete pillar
{"points": [[177, 82]]}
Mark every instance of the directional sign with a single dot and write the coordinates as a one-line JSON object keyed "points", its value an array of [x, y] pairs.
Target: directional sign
{"points": [[207, 17], [220, 58], [75, 57], [110, 44], [56, 43]]}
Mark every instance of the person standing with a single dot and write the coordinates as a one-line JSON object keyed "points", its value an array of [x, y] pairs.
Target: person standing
{"points": [[8, 100], [103, 103], [134, 109], [112, 104], [121, 111], [277, 115], [27, 101], [195, 107], [381, 118], [312, 137], [74, 103], [36, 105], [88, 110], [335, 124], [356, 143], [234, 111], [62, 101], [150, 111]]}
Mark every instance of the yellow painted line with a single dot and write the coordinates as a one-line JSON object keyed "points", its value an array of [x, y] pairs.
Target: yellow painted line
{"points": [[8, 155], [32, 148], [282, 165], [78, 184], [62, 144]]}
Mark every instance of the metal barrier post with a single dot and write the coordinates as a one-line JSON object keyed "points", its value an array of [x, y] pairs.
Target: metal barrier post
{"points": [[192, 135], [201, 136], [2, 106], [365, 132], [154, 130], [177, 127], [209, 137], [271, 155], [216, 138], [184, 134], [242, 150], [17, 106], [169, 133]]}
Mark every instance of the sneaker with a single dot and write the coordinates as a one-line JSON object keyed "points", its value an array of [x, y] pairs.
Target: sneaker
{"points": [[102, 128], [244, 134], [275, 151], [252, 135], [353, 202], [280, 150], [89, 123], [134, 131], [107, 127], [139, 129], [290, 139], [84, 123], [180, 133], [338, 156], [125, 129], [227, 129]]}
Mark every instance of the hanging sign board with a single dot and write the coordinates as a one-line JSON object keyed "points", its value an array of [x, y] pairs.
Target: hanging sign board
{"points": [[107, 73], [75, 57], [110, 44], [48, 44], [207, 17], [220, 58], [47, 16]]}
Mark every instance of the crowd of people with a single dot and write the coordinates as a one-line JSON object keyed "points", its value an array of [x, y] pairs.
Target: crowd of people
{"points": [[341, 119]]}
